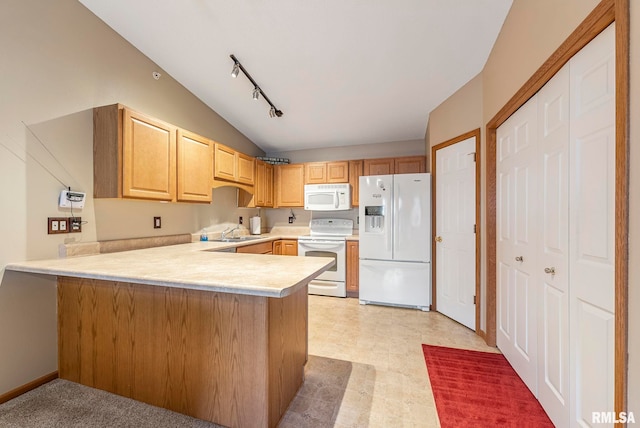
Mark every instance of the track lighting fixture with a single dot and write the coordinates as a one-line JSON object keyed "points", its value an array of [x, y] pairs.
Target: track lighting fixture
{"points": [[237, 68], [235, 71]]}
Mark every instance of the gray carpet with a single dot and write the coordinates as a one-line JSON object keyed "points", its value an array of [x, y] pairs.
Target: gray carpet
{"points": [[60, 403]]}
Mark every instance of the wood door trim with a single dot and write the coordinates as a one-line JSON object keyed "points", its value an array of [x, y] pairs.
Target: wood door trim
{"points": [[475, 133], [605, 13]]}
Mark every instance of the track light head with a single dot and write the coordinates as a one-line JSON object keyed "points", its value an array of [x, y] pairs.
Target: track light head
{"points": [[235, 71], [256, 93]]}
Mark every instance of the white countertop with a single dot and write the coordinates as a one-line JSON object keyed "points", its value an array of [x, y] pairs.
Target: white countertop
{"points": [[195, 266]]}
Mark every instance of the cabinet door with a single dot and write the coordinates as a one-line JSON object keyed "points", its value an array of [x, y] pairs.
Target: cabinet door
{"points": [[353, 266], [277, 247], [245, 168], [195, 167], [224, 163], [289, 247], [261, 248], [355, 171], [268, 185], [382, 166], [410, 165], [260, 182], [290, 185], [315, 173], [338, 172], [148, 158]]}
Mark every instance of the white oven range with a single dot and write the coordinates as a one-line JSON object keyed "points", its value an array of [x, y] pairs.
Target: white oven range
{"points": [[327, 238]]}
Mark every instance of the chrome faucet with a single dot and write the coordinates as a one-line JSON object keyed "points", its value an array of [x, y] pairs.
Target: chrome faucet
{"points": [[224, 233]]}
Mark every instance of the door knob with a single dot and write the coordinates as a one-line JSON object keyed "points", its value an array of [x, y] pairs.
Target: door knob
{"points": [[551, 270], [438, 238], [519, 259]]}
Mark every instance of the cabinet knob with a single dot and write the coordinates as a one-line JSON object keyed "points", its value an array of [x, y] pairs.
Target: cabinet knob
{"points": [[519, 259], [551, 270], [438, 238]]}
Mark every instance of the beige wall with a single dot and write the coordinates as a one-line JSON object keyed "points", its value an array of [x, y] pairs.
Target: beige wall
{"points": [[531, 33], [58, 62]]}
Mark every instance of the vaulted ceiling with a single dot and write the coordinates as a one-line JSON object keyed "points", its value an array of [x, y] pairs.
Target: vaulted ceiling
{"points": [[343, 72]]}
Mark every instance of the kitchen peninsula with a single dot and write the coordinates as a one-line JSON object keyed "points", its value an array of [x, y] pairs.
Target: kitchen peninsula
{"points": [[218, 336]]}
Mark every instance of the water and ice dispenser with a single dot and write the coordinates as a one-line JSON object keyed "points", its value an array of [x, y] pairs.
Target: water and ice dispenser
{"points": [[374, 219]]}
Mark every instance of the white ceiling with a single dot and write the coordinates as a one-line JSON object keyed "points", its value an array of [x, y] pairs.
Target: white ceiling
{"points": [[344, 72]]}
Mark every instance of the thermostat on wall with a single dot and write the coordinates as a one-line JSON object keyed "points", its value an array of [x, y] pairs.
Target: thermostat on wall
{"points": [[69, 199]]}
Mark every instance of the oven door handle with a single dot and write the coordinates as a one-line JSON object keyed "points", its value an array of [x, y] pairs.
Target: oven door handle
{"points": [[321, 244]]}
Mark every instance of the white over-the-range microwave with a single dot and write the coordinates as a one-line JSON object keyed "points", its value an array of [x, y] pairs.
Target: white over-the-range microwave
{"points": [[327, 197]]}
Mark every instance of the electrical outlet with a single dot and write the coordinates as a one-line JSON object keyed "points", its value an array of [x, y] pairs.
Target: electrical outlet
{"points": [[290, 220], [240, 220], [57, 225], [157, 222]]}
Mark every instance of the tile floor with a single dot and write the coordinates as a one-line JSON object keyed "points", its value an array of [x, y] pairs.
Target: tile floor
{"points": [[366, 367]]}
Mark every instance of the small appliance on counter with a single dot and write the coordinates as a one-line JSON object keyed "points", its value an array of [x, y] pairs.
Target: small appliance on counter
{"points": [[254, 225]]}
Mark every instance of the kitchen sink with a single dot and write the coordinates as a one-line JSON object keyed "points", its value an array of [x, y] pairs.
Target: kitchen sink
{"points": [[238, 239]]}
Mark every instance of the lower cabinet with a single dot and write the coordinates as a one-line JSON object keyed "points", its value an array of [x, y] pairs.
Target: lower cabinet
{"points": [[353, 267], [261, 248], [285, 247]]}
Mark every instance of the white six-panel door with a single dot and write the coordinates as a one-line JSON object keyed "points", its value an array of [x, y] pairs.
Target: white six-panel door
{"points": [[592, 223], [555, 232], [553, 248], [517, 233], [455, 232]]}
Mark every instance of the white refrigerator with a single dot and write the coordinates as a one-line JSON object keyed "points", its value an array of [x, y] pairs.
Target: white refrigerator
{"points": [[395, 240]]}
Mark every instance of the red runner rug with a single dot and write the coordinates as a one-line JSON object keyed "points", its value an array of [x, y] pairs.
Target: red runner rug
{"points": [[480, 389]]}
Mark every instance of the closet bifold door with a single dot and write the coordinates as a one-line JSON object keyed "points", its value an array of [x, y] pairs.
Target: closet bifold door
{"points": [[517, 232], [591, 226], [552, 267]]}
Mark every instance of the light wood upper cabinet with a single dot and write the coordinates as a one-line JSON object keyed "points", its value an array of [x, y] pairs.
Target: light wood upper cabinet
{"points": [[326, 172], [224, 160], [382, 166], [289, 185], [355, 171], [194, 167], [262, 190], [230, 165], [338, 172], [315, 172], [134, 155], [246, 168], [268, 185], [410, 165], [401, 165]]}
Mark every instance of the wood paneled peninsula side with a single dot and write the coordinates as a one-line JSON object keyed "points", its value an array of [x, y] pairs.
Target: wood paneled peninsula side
{"points": [[218, 336]]}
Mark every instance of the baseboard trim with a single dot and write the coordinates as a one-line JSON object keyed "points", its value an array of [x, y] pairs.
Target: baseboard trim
{"points": [[28, 387]]}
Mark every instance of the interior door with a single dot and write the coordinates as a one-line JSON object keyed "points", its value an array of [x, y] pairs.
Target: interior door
{"points": [[592, 225], [455, 231], [517, 239], [553, 248]]}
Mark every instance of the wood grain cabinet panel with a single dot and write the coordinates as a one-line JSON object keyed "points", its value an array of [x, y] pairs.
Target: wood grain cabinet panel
{"points": [[245, 168], [355, 171], [194, 167], [232, 359], [382, 166], [285, 247], [224, 163], [410, 165], [134, 155], [315, 172], [353, 267], [338, 172], [289, 185]]}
